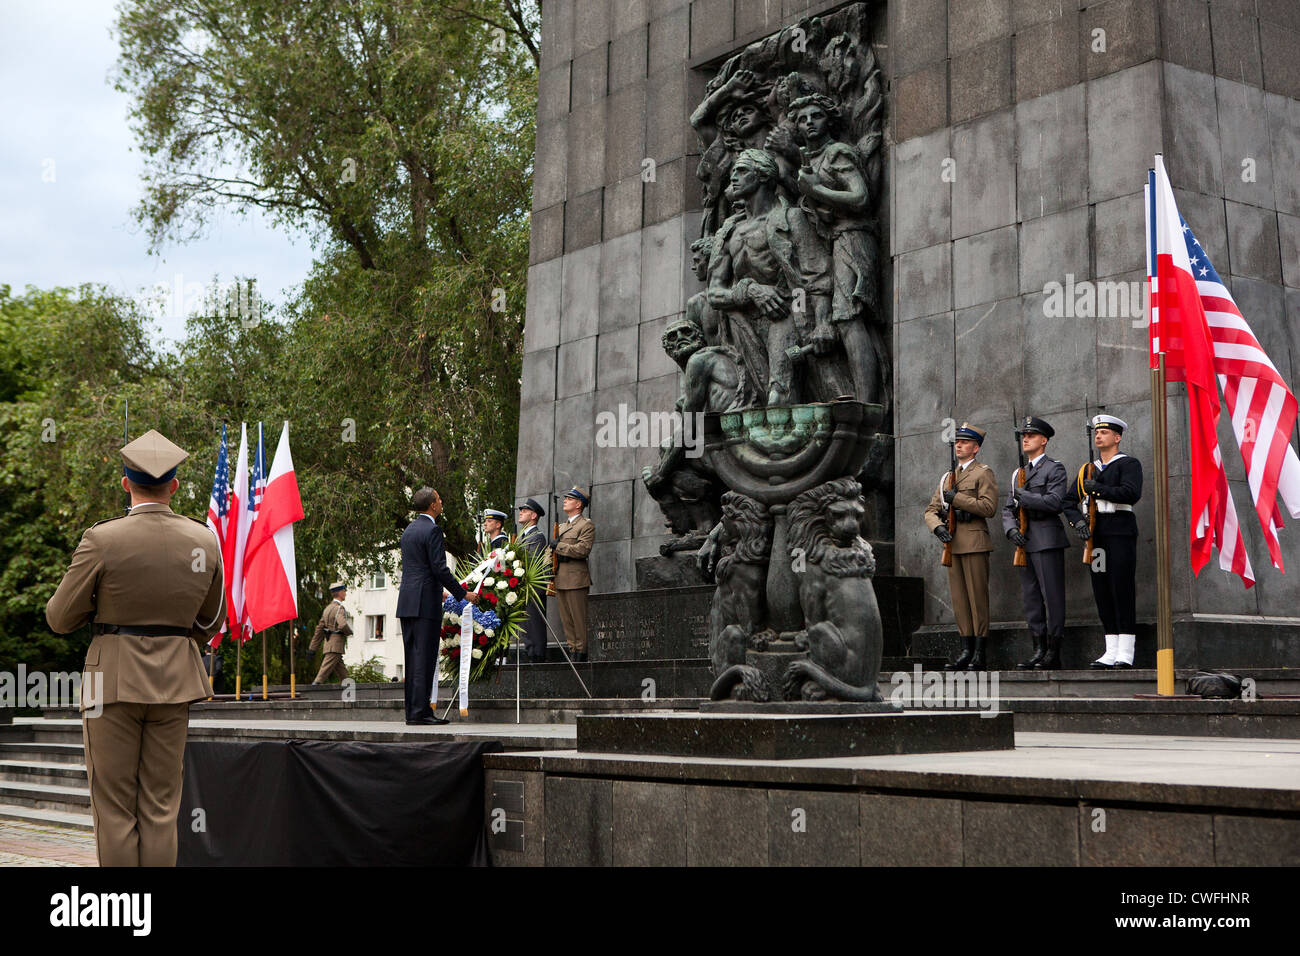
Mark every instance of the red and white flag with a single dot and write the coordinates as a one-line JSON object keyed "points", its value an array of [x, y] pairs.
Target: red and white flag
{"points": [[1179, 328], [237, 538], [270, 571]]}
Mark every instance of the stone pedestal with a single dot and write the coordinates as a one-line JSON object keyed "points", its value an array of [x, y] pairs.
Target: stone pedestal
{"points": [[793, 736]]}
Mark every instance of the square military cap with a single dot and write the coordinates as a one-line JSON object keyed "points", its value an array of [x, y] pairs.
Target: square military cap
{"points": [[970, 433], [152, 459]]}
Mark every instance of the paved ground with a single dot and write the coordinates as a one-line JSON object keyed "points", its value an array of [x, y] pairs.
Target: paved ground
{"points": [[27, 844]]}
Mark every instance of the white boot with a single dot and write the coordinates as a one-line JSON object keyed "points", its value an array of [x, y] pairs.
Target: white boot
{"points": [[1124, 651], [1108, 659]]}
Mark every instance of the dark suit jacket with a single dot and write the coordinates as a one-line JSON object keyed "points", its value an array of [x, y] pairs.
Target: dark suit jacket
{"points": [[1043, 497], [1121, 483], [424, 571]]}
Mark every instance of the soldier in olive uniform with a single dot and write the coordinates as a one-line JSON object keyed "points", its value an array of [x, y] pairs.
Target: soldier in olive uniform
{"points": [[1042, 580], [973, 500], [333, 630], [150, 581], [573, 541]]}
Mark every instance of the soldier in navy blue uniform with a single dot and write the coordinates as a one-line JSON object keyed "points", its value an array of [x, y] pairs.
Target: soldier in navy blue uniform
{"points": [[1115, 486], [533, 538], [493, 522], [1042, 580]]}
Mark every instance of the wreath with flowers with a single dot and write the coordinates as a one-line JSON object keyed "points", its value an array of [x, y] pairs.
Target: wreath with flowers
{"points": [[509, 579]]}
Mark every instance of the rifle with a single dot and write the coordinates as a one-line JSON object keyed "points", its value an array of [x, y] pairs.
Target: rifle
{"points": [[126, 438], [1021, 559], [946, 560], [1088, 473], [555, 533]]}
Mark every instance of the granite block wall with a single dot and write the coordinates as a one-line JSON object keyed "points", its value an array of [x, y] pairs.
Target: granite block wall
{"points": [[1022, 135], [1019, 133]]}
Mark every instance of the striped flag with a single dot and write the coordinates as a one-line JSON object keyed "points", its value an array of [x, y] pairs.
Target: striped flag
{"points": [[272, 575], [1262, 408], [237, 539], [1180, 329], [219, 510]]}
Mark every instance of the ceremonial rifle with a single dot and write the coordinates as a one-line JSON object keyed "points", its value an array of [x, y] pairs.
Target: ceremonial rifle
{"points": [[950, 508], [1021, 558], [555, 533], [1088, 473]]}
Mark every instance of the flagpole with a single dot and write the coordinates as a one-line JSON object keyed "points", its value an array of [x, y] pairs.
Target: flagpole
{"points": [[239, 665], [1164, 610], [264, 695], [293, 675]]}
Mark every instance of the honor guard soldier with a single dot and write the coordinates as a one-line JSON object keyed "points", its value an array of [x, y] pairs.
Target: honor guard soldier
{"points": [[1099, 505], [957, 515], [150, 581], [493, 522], [534, 539], [333, 630], [1031, 519], [573, 540]]}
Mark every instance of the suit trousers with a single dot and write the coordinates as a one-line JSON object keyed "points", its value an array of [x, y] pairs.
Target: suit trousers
{"points": [[1042, 587], [331, 665], [573, 614], [968, 582], [420, 643], [135, 764], [1114, 589]]}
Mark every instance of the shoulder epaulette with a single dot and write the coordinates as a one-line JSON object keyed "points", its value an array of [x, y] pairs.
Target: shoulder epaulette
{"points": [[105, 521]]}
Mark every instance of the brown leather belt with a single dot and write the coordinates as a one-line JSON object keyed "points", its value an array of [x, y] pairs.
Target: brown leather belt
{"points": [[142, 630]]}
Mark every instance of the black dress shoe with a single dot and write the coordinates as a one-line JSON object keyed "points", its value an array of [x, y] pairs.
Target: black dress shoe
{"points": [[1099, 666], [976, 662], [1040, 651], [968, 651], [1052, 659], [580, 657], [427, 722]]}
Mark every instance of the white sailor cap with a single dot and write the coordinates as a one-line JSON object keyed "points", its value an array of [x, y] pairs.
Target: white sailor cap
{"points": [[493, 513], [1109, 421]]}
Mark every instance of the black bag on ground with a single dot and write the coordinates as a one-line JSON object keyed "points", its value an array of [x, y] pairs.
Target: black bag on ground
{"points": [[1213, 685]]}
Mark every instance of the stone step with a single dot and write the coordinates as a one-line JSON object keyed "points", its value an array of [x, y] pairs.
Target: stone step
{"points": [[39, 771], [45, 796], [488, 711], [59, 818], [68, 753]]}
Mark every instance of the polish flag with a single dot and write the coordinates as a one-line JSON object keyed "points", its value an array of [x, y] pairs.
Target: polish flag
{"points": [[1180, 329], [237, 539], [271, 571]]}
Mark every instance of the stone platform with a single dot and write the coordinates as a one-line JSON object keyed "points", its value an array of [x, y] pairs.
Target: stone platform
{"points": [[794, 736], [1055, 800]]}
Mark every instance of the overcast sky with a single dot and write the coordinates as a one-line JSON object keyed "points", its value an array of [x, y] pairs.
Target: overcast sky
{"points": [[60, 117]]}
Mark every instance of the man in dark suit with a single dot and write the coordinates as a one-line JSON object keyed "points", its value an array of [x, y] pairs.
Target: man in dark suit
{"points": [[1042, 580], [419, 605], [534, 539]]}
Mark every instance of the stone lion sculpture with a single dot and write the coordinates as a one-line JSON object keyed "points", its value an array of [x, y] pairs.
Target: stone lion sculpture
{"points": [[744, 538], [844, 636]]}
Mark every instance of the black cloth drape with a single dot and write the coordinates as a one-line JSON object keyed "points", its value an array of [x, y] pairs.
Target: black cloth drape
{"points": [[333, 803]]}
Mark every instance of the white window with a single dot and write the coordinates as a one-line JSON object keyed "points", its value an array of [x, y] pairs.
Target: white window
{"points": [[378, 581], [374, 627]]}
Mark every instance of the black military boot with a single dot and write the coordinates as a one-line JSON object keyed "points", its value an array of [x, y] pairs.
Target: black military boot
{"points": [[1040, 649], [977, 659], [1052, 659], [963, 660]]}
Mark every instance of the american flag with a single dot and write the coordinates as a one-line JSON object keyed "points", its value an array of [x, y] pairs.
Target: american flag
{"points": [[257, 480], [219, 500], [1262, 408], [219, 508]]}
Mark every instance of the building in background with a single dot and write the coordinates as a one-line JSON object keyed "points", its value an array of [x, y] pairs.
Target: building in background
{"points": [[372, 602]]}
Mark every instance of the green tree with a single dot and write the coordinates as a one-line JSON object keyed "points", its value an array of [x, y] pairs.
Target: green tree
{"points": [[401, 136]]}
